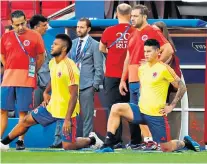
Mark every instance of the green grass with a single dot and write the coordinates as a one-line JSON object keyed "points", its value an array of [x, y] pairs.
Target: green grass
{"points": [[124, 156]]}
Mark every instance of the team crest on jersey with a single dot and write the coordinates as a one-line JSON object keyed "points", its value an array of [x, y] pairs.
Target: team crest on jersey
{"points": [[154, 74], [144, 37], [26, 42], [59, 74]]}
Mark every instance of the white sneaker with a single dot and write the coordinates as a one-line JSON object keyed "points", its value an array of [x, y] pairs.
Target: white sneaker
{"points": [[98, 143], [3, 147]]}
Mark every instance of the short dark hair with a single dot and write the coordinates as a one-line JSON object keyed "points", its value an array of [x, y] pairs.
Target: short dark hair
{"points": [[88, 22], [66, 39], [144, 10], [17, 14], [36, 19], [152, 43]]}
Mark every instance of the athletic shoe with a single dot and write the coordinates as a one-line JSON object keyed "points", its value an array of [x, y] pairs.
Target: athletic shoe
{"points": [[105, 149], [151, 145], [56, 146], [132, 146], [119, 146], [141, 146], [98, 143], [191, 144], [20, 145], [3, 147]]}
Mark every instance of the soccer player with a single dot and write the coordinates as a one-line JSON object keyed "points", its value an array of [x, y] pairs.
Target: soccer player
{"points": [[155, 77], [114, 42], [63, 105], [135, 54], [22, 54]]}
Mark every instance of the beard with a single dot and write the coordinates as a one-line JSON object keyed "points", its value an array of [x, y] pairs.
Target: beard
{"points": [[82, 35], [56, 54]]}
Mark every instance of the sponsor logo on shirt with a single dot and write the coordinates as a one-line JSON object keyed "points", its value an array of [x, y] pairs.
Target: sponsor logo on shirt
{"points": [[26, 42], [144, 37]]}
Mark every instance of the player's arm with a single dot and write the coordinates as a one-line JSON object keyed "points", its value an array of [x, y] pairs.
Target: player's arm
{"points": [[39, 61], [171, 77], [166, 51], [73, 89], [180, 92], [123, 87], [103, 48]]}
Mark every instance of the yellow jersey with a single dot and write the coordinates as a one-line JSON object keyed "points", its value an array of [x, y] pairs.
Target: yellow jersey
{"points": [[63, 74], [154, 84]]}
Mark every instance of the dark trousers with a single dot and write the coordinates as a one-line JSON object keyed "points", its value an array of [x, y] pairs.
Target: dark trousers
{"points": [[135, 130], [113, 96]]}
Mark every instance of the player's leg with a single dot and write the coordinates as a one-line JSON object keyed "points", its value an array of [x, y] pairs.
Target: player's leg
{"points": [[70, 142], [7, 103], [160, 130], [24, 103], [19, 129], [113, 96], [128, 111], [174, 145]]}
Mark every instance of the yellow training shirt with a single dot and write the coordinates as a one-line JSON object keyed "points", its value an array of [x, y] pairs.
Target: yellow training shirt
{"points": [[154, 82], [63, 75]]}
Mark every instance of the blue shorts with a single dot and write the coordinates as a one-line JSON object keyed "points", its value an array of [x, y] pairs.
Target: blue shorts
{"points": [[44, 118], [19, 97], [158, 125]]}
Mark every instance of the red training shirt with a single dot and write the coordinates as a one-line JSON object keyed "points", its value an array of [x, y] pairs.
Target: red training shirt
{"points": [[17, 62], [117, 53]]}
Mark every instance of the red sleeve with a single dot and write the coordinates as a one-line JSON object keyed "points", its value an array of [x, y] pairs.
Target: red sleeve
{"points": [[3, 51], [160, 38], [40, 48], [104, 36]]}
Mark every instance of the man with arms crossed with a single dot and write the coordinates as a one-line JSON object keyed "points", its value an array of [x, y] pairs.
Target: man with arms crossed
{"points": [[155, 78], [63, 105], [22, 54]]}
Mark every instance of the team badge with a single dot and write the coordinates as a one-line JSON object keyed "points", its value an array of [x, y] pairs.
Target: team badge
{"points": [[59, 74], [154, 74], [26, 42], [144, 37]]}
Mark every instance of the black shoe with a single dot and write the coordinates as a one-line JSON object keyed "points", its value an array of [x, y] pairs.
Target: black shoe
{"points": [[119, 146], [20, 145], [56, 146]]}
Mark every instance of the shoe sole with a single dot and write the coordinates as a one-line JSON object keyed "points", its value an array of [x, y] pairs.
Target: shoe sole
{"points": [[196, 147]]}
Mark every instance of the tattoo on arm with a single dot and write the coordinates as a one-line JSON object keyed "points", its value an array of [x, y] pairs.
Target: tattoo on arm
{"points": [[180, 92], [179, 145]]}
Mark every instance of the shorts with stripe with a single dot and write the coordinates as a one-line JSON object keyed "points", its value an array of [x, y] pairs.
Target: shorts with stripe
{"points": [[43, 117], [158, 125]]}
